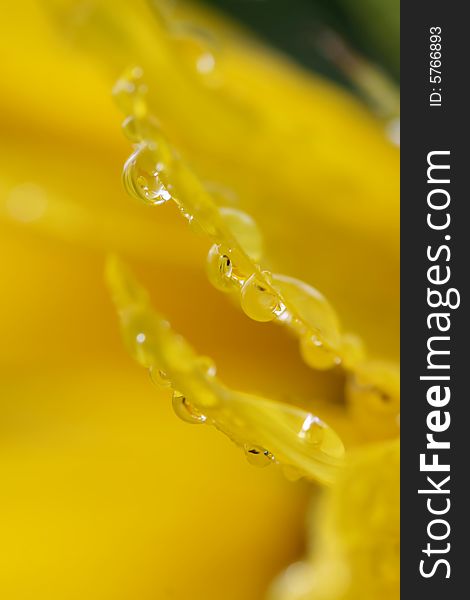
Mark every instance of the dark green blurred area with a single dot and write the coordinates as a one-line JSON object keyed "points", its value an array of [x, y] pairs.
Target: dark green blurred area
{"points": [[370, 27]]}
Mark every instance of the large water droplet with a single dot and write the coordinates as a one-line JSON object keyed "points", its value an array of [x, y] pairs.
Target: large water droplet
{"points": [[220, 268], [186, 411], [258, 301], [312, 430], [141, 177], [318, 434]]}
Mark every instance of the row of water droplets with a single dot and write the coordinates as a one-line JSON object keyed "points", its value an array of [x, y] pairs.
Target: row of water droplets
{"points": [[370, 387], [155, 174], [312, 432], [155, 346], [268, 431]]}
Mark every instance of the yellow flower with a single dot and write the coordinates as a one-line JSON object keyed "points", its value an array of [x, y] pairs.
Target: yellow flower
{"points": [[347, 561], [107, 495]]}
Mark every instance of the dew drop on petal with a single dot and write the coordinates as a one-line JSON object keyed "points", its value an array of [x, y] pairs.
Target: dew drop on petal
{"points": [[258, 302], [141, 177], [159, 377], [315, 432], [258, 456], [312, 430], [220, 268], [185, 411]]}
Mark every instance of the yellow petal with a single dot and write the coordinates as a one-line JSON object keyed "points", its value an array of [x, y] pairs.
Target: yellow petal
{"points": [[268, 430]]}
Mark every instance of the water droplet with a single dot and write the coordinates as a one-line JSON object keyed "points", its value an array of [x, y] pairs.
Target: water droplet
{"points": [[159, 377], [245, 230], [141, 177], [258, 301], [312, 430], [258, 456], [220, 268], [130, 91], [316, 354], [186, 411]]}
